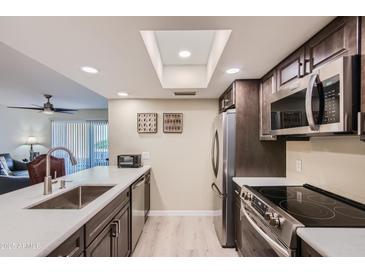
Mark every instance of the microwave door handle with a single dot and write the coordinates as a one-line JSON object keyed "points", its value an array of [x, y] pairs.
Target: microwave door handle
{"points": [[308, 101], [277, 247]]}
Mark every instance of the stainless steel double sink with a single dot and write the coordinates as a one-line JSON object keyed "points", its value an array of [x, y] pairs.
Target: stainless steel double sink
{"points": [[75, 198]]}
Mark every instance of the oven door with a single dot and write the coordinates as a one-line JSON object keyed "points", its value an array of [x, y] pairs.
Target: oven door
{"points": [[257, 241]]}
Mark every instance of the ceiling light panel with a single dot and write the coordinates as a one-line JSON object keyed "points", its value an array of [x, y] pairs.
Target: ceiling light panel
{"points": [[90, 70]]}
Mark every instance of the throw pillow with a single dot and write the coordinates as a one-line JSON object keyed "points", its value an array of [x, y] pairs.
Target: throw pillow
{"points": [[4, 167]]}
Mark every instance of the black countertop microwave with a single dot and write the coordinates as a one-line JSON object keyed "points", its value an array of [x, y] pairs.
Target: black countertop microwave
{"points": [[129, 160]]}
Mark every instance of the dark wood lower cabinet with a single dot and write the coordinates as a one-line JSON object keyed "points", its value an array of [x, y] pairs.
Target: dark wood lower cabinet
{"points": [[123, 240], [104, 243], [72, 247], [307, 251]]}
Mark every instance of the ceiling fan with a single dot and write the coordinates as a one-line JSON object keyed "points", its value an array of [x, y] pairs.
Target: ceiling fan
{"points": [[48, 107]]}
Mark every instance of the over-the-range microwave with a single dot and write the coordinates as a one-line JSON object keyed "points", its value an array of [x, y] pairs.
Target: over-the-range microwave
{"points": [[323, 102]]}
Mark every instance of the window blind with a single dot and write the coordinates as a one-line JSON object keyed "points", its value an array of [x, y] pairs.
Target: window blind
{"points": [[88, 140]]}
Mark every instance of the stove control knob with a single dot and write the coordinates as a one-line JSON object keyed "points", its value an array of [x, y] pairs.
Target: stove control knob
{"points": [[267, 216], [275, 220], [248, 196]]}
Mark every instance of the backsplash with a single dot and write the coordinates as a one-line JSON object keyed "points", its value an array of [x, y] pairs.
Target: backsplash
{"points": [[336, 164]]}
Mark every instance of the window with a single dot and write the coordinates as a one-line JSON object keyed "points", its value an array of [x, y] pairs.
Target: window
{"points": [[88, 140]]}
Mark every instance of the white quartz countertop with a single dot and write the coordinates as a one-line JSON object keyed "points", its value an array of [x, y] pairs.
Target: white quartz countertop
{"points": [[265, 181], [335, 242], [37, 232]]}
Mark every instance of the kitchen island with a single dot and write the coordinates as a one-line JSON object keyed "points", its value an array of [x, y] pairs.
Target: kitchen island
{"points": [[37, 232]]}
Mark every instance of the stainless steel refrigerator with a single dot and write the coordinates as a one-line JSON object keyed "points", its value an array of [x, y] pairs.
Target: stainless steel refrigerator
{"points": [[223, 164]]}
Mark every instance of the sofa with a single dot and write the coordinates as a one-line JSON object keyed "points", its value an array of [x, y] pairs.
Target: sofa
{"points": [[19, 177]]}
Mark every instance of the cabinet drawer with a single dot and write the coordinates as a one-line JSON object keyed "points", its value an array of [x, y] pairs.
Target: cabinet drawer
{"points": [[105, 216], [72, 247]]}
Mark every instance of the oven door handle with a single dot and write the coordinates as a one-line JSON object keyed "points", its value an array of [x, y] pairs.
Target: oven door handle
{"points": [[308, 101], [278, 248]]}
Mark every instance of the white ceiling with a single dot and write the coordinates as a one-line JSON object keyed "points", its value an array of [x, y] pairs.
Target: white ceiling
{"points": [[199, 43], [23, 82], [114, 46]]}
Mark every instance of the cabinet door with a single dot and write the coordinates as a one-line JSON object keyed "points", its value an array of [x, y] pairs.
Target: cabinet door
{"points": [[123, 242], [104, 244], [72, 247], [267, 88], [290, 69], [337, 39]]}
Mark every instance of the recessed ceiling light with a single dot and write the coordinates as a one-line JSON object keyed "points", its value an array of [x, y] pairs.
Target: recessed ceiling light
{"points": [[184, 54], [90, 70], [123, 94], [232, 70]]}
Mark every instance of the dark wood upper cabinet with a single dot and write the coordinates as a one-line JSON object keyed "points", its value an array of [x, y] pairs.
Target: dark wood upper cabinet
{"points": [[341, 37], [254, 157], [267, 88], [338, 38], [228, 99], [290, 69]]}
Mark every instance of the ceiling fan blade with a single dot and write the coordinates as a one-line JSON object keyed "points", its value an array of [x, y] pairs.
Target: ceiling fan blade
{"points": [[37, 106], [27, 108], [65, 112], [64, 109]]}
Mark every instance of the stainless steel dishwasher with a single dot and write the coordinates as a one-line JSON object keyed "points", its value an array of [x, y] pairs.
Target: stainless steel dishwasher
{"points": [[138, 209]]}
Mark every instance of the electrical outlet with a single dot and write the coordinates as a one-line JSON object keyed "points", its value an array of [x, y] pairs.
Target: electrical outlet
{"points": [[298, 165], [145, 155]]}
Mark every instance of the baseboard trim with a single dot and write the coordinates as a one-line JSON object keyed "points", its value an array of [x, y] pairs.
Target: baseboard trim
{"points": [[183, 213]]}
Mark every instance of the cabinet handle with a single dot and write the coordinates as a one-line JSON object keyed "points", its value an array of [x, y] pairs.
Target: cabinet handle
{"points": [[114, 229]]}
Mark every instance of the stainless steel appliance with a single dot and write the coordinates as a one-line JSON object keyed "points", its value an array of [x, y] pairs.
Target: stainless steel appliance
{"points": [[324, 102], [129, 160], [270, 216], [223, 163], [138, 210]]}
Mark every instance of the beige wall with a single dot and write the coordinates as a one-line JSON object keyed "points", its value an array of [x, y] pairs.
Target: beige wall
{"points": [[336, 164], [181, 164], [17, 125]]}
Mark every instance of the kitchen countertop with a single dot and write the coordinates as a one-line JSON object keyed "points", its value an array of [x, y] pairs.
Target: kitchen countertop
{"points": [[37, 232], [264, 181], [335, 242]]}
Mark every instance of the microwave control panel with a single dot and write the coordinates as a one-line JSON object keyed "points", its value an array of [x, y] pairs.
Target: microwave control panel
{"points": [[331, 93]]}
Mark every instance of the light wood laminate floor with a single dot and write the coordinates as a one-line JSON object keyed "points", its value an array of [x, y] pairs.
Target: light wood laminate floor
{"points": [[180, 236]]}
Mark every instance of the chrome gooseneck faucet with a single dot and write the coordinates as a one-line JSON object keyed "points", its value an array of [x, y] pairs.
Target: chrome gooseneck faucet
{"points": [[48, 179]]}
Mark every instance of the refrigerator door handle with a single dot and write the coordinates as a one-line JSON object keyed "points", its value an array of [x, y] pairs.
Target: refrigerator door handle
{"points": [[215, 154], [216, 189]]}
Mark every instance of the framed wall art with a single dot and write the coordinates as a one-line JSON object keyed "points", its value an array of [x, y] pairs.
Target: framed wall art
{"points": [[147, 122], [172, 122]]}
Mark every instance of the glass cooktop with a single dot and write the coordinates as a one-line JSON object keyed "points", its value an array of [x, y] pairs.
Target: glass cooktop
{"points": [[314, 207]]}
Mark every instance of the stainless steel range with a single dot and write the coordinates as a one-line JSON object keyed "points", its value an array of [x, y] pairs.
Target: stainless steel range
{"points": [[270, 216]]}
